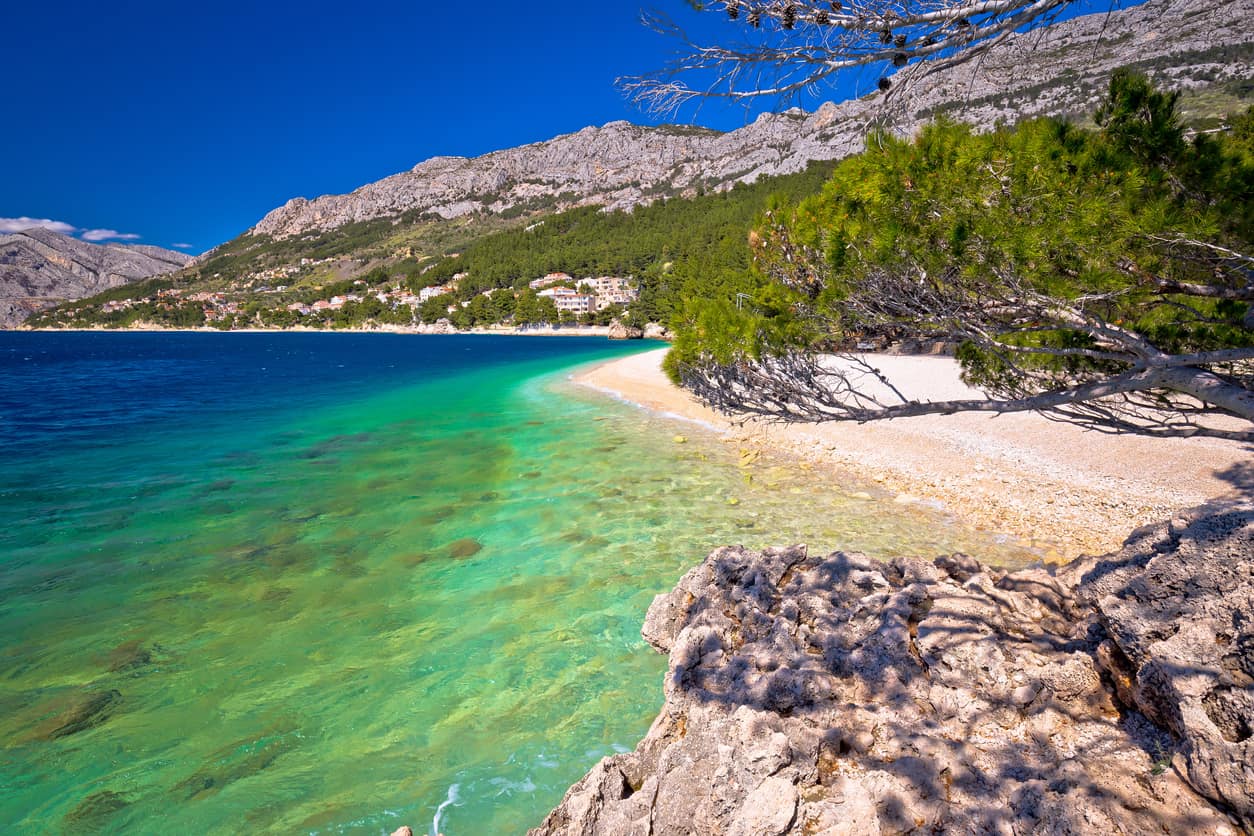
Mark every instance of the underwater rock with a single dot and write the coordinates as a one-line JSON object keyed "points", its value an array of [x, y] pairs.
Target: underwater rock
{"points": [[128, 656], [465, 547], [89, 711], [94, 811], [437, 515], [349, 566], [53, 581], [235, 762], [276, 594]]}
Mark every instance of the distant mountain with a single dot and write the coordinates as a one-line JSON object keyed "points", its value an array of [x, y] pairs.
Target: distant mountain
{"points": [[1060, 70], [411, 224], [40, 269]]}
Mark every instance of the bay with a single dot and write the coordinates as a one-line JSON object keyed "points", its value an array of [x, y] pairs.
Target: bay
{"points": [[327, 583]]}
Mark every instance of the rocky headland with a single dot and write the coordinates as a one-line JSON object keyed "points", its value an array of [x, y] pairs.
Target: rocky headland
{"points": [[837, 694], [40, 268]]}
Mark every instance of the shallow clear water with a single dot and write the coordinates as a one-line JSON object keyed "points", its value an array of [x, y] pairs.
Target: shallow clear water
{"points": [[324, 583]]}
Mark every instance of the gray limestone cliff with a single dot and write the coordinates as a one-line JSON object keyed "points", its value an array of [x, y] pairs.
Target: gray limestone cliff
{"points": [[1060, 70], [837, 694], [40, 268]]}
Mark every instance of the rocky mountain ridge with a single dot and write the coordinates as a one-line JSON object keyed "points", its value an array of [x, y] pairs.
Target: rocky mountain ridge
{"points": [[1058, 70], [40, 268]]}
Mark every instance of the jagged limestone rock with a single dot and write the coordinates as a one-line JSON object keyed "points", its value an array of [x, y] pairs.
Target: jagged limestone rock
{"points": [[621, 331], [440, 326], [1177, 608], [841, 695]]}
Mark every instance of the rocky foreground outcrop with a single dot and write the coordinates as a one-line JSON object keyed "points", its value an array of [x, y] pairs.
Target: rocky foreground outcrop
{"points": [[1177, 609], [841, 695]]}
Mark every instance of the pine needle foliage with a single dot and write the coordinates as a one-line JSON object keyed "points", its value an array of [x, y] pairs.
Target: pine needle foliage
{"points": [[1058, 258]]}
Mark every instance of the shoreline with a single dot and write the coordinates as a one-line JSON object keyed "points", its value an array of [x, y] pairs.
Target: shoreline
{"points": [[1052, 487], [576, 331]]}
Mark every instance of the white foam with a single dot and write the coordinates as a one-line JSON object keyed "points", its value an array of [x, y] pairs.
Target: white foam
{"points": [[674, 416], [506, 787], [439, 811]]}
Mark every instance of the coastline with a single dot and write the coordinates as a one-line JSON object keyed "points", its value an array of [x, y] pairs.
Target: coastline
{"points": [[1052, 487], [573, 331]]}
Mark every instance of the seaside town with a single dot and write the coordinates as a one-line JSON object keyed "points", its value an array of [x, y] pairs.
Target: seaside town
{"points": [[377, 299]]}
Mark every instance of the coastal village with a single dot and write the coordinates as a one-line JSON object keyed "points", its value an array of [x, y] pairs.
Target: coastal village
{"points": [[574, 299]]}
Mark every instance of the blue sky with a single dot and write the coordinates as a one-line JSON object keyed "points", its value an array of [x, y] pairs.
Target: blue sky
{"points": [[182, 124]]}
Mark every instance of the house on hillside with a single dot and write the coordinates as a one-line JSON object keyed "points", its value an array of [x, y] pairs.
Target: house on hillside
{"points": [[611, 290], [550, 280], [566, 299], [434, 291]]}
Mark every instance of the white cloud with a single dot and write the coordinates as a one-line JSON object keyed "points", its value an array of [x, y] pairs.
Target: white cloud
{"points": [[107, 235], [183, 246], [19, 224], [94, 235]]}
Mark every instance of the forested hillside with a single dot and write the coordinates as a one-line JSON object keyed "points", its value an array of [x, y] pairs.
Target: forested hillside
{"points": [[672, 249]]}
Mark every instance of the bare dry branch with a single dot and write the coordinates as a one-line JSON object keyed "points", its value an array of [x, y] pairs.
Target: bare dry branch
{"points": [[1118, 382], [795, 46], [1159, 401]]}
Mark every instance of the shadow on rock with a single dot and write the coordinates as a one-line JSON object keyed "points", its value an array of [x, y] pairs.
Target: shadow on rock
{"points": [[840, 695]]}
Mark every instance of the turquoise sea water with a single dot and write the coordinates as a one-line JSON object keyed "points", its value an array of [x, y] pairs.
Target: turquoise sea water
{"points": [[329, 583]]}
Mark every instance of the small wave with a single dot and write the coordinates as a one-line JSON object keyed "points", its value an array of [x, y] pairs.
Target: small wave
{"points": [[451, 798], [506, 787], [664, 413]]}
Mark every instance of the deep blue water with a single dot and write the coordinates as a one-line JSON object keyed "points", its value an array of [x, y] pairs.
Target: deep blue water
{"points": [[80, 388]]}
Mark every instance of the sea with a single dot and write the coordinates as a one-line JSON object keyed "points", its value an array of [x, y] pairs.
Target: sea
{"points": [[337, 583]]}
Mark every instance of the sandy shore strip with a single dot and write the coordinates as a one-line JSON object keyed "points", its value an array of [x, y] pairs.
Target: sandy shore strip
{"points": [[1053, 486]]}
